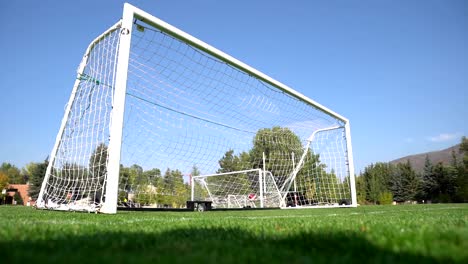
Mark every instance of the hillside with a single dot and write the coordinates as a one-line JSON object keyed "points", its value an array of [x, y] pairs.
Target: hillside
{"points": [[418, 160]]}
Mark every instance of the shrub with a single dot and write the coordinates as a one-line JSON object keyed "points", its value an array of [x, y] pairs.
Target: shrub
{"points": [[386, 197], [18, 199]]}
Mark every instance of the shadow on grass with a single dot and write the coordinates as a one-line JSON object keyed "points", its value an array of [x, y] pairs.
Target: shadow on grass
{"points": [[182, 245]]}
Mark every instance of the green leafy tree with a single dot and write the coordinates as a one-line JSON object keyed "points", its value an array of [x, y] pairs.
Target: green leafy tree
{"points": [[4, 181], [199, 189], [97, 169], [173, 190], [125, 183], [361, 189], [98, 164], [13, 173], [147, 186], [136, 175], [3, 185], [180, 191], [313, 176], [18, 199], [145, 195], [385, 198], [232, 163], [278, 144], [283, 151], [152, 176]]}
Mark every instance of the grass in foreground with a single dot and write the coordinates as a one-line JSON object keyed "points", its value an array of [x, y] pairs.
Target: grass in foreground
{"points": [[372, 234]]}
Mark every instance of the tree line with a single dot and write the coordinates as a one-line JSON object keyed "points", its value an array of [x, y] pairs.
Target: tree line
{"points": [[277, 150], [33, 173], [383, 183], [380, 183]]}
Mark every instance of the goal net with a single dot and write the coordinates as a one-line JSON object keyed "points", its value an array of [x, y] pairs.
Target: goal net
{"points": [[237, 189], [157, 117]]}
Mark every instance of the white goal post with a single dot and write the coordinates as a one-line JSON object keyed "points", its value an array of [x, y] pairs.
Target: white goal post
{"points": [[157, 117]]}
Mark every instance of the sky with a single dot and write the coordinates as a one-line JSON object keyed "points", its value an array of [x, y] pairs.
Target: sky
{"points": [[398, 70]]}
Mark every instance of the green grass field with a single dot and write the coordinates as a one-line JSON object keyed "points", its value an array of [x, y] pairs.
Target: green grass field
{"points": [[368, 234]]}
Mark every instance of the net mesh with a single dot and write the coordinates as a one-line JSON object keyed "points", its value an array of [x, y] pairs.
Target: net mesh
{"points": [[76, 180]]}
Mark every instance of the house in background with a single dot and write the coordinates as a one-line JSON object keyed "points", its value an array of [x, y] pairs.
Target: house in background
{"points": [[16, 191]]}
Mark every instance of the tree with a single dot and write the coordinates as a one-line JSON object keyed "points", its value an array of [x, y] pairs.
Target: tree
{"points": [[278, 144], [374, 182], [445, 181], [97, 170], [199, 189], [13, 173], [232, 163], [173, 190], [136, 175], [125, 184], [386, 197], [429, 184], [361, 189], [98, 163], [18, 199], [378, 178], [405, 183], [411, 182], [152, 176], [195, 171], [4, 181], [36, 172], [464, 150], [462, 177]]}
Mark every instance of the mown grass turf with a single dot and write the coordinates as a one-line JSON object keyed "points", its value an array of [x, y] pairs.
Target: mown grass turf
{"points": [[368, 234]]}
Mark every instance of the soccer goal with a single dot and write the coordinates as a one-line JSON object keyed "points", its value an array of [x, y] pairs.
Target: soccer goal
{"points": [[157, 117], [237, 189]]}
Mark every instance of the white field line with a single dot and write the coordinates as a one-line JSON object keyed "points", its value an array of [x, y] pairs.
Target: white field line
{"points": [[182, 219]]}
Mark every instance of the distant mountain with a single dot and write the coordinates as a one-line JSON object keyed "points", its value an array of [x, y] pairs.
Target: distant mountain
{"points": [[418, 160]]}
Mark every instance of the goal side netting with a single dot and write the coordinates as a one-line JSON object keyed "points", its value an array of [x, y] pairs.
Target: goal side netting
{"points": [[157, 117]]}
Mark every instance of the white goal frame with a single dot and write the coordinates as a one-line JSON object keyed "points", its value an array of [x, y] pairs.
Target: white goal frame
{"points": [[125, 27], [262, 187]]}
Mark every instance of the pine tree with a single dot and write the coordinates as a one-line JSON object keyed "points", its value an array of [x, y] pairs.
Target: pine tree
{"points": [[377, 177], [36, 173], [411, 182], [397, 185], [429, 185], [462, 178], [374, 183]]}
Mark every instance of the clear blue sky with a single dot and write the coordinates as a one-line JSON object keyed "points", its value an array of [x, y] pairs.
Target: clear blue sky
{"points": [[397, 69]]}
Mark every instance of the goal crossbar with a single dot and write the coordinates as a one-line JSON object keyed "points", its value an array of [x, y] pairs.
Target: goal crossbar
{"points": [[163, 26]]}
